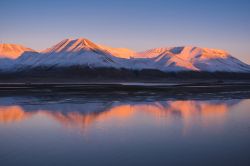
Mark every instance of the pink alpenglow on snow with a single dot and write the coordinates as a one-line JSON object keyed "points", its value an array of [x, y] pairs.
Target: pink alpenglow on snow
{"points": [[83, 52]]}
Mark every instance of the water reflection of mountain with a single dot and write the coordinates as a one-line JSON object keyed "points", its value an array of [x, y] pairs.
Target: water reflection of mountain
{"points": [[84, 113]]}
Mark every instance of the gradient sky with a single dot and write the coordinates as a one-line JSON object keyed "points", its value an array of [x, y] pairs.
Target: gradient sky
{"points": [[135, 24]]}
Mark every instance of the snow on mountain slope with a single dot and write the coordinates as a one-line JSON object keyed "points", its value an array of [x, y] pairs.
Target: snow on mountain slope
{"points": [[73, 45], [9, 53], [69, 52], [119, 52], [12, 51], [83, 52], [195, 59], [151, 53]]}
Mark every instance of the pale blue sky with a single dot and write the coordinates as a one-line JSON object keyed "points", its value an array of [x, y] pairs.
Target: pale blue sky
{"points": [[135, 24]]}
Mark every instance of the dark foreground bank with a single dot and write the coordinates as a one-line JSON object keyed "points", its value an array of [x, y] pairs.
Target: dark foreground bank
{"points": [[79, 74], [170, 90]]}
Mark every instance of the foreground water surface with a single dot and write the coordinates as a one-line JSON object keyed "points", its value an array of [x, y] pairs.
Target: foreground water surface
{"points": [[77, 130]]}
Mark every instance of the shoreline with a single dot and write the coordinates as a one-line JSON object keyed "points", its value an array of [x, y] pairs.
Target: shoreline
{"points": [[121, 89]]}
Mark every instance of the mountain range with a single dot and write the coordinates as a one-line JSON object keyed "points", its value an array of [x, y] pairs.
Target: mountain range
{"points": [[85, 53]]}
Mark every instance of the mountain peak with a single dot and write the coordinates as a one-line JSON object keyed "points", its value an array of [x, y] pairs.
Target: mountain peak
{"points": [[12, 51], [185, 52], [72, 45], [191, 52]]}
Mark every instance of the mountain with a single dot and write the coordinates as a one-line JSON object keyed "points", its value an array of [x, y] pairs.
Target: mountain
{"points": [[84, 53], [193, 59], [70, 52], [12, 51], [9, 53]]}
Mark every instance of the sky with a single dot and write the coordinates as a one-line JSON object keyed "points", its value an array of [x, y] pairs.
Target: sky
{"points": [[135, 24]]}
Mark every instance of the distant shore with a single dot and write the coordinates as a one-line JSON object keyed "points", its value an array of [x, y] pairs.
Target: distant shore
{"points": [[167, 89]]}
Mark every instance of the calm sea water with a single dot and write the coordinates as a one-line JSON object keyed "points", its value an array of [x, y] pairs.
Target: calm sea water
{"points": [[107, 131]]}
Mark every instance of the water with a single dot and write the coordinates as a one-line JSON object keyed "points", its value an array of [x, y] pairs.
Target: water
{"points": [[78, 130]]}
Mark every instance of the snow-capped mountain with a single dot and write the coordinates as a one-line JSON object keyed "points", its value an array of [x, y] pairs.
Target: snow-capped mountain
{"points": [[9, 53], [194, 59], [83, 52], [70, 52], [12, 51]]}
